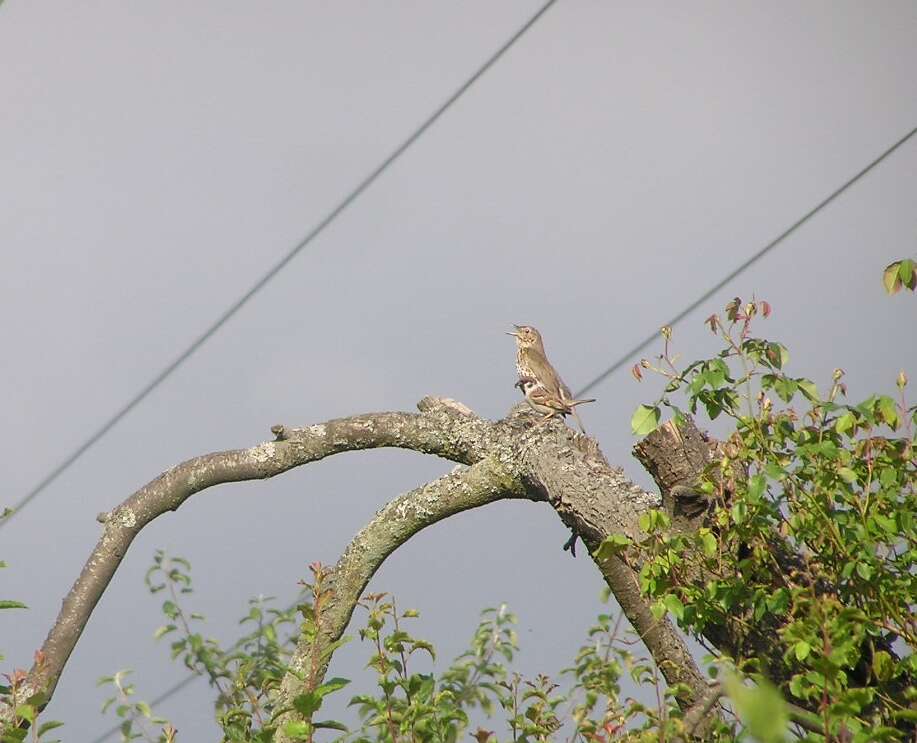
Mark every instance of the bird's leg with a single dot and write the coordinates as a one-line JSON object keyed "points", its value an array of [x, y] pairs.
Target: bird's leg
{"points": [[545, 419], [570, 544]]}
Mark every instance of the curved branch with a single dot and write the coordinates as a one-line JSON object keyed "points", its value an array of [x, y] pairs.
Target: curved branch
{"points": [[443, 428], [485, 482]]}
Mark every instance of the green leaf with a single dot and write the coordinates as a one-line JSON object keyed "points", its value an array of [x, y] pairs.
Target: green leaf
{"points": [[717, 371], [762, 709], [645, 420], [864, 570], [12, 605], [785, 388], [307, 703], [709, 542], [898, 274], [845, 423], [423, 645], [774, 471], [297, 730], [887, 411], [776, 355], [847, 474], [331, 725], [802, 650], [698, 383], [26, 712], [14, 735], [645, 522], [808, 388], [653, 519], [170, 609], [906, 273], [674, 605], [330, 686], [164, 630], [49, 726], [739, 512], [826, 449], [887, 523], [883, 667], [756, 485], [888, 476], [779, 601], [612, 545]]}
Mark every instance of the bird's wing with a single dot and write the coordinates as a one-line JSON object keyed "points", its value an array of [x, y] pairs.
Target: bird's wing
{"points": [[544, 373], [543, 397]]}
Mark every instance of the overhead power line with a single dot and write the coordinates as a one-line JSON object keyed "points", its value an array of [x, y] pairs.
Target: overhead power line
{"points": [[628, 355], [171, 691], [275, 269]]}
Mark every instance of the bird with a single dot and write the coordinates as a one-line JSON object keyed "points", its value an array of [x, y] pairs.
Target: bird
{"points": [[544, 390], [549, 403], [532, 364]]}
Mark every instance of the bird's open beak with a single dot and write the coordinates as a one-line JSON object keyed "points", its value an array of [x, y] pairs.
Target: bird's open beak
{"points": [[515, 334], [517, 328]]}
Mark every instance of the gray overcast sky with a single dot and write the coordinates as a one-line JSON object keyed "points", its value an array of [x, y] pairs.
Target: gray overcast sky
{"points": [[158, 158]]}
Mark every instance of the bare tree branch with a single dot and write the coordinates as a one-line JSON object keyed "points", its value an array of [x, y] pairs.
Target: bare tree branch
{"points": [[442, 429], [485, 482]]}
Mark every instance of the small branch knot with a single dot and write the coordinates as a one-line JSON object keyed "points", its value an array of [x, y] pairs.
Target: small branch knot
{"points": [[279, 432], [430, 404]]}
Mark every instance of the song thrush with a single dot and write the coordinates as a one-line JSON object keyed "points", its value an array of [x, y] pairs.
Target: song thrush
{"points": [[532, 364]]}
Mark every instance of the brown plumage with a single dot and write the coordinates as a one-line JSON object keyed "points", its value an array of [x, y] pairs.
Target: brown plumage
{"points": [[532, 364], [547, 403]]}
